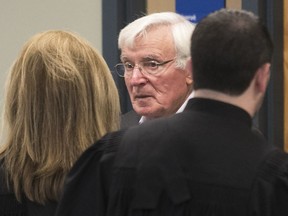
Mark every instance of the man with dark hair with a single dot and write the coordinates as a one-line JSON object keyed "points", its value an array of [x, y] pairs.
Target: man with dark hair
{"points": [[228, 50], [204, 161]]}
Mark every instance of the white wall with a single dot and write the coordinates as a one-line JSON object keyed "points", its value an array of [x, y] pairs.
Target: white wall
{"points": [[20, 19]]}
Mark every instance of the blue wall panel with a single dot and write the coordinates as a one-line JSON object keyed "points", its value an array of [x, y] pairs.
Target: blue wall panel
{"points": [[195, 10]]}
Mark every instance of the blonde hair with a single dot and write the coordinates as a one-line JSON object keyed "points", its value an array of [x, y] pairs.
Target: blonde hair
{"points": [[60, 99]]}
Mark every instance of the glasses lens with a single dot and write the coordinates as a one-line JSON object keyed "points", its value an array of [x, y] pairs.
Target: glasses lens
{"points": [[120, 69]]}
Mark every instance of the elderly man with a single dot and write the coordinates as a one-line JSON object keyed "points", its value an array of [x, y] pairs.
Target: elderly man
{"points": [[154, 52]]}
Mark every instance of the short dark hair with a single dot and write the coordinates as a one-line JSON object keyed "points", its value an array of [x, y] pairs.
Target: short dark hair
{"points": [[228, 46]]}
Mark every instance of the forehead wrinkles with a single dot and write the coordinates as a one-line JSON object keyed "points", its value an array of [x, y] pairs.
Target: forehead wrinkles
{"points": [[157, 43], [155, 34]]}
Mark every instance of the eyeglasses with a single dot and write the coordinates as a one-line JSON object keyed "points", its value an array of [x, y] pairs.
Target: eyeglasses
{"points": [[147, 67]]}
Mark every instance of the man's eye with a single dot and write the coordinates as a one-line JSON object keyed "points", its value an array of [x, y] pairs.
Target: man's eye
{"points": [[128, 66], [151, 64]]}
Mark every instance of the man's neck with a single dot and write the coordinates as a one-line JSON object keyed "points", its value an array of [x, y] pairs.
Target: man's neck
{"points": [[240, 101], [182, 107]]}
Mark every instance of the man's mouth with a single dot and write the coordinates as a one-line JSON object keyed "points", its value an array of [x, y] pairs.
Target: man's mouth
{"points": [[142, 96]]}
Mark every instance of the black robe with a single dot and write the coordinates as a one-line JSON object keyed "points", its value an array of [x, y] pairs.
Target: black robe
{"points": [[130, 119], [205, 161]]}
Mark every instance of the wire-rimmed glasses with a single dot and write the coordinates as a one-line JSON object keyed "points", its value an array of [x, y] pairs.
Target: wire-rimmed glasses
{"points": [[151, 67]]}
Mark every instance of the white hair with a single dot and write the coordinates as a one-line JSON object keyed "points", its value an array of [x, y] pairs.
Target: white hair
{"points": [[181, 30]]}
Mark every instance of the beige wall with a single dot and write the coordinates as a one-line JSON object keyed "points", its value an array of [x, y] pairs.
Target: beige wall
{"points": [[235, 4], [160, 5], [19, 20]]}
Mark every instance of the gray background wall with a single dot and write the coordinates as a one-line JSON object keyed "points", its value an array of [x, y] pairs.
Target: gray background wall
{"points": [[21, 19]]}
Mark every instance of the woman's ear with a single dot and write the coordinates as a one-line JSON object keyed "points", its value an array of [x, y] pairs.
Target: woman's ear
{"points": [[188, 68]]}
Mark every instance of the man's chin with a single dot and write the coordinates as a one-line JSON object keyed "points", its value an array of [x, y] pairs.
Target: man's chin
{"points": [[143, 101], [144, 111], [142, 105]]}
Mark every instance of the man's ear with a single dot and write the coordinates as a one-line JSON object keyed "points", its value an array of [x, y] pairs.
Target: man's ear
{"points": [[262, 77], [188, 68]]}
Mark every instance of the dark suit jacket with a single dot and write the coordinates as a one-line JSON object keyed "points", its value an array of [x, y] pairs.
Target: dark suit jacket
{"points": [[205, 161], [129, 119]]}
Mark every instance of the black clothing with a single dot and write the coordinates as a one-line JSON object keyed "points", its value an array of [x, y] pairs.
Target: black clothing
{"points": [[129, 119], [9, 206], [205, 161]]}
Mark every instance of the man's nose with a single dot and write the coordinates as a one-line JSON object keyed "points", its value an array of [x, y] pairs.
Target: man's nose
{"points": [[137, 77]]}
